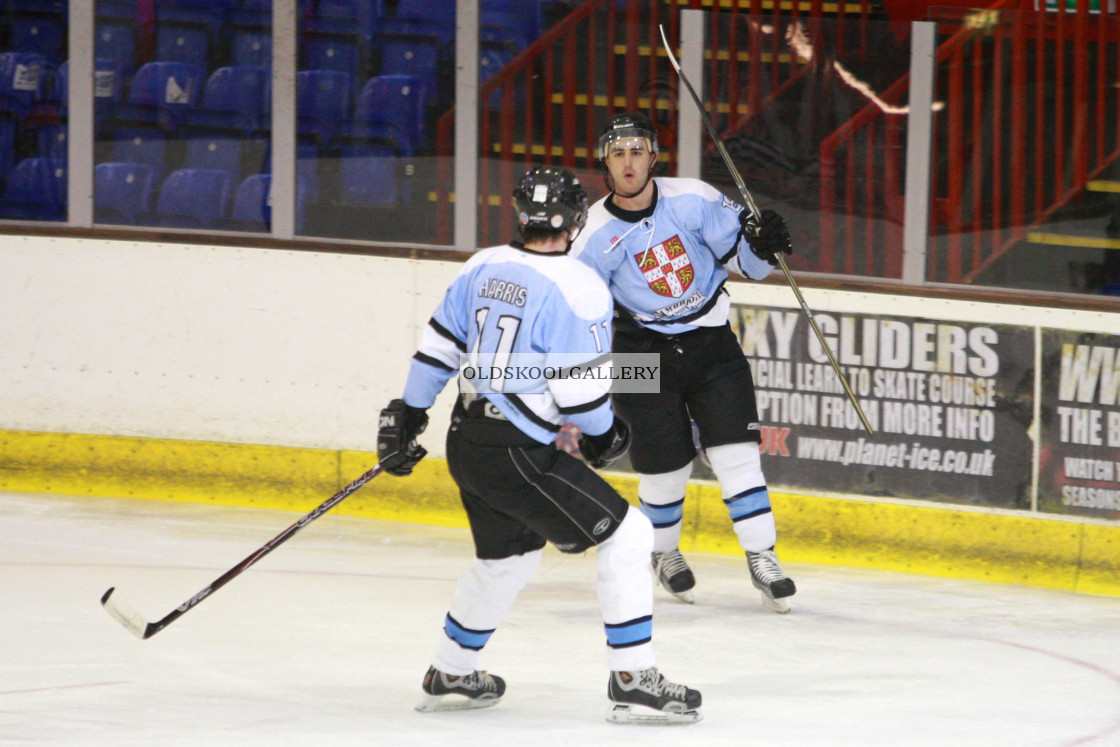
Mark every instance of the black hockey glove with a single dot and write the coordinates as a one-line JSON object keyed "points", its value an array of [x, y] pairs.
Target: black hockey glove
{"points": [[748, 223], [397, 450], [606, 448], [772, 237]]}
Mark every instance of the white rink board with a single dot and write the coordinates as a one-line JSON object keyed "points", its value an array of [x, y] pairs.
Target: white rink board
{"points": [[266, 346], [207, 343]]}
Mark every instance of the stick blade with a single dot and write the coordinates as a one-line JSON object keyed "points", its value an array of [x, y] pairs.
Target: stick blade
{"points": [[125, 614]]}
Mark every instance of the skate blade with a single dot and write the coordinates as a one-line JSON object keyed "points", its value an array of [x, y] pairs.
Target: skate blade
{"points": [[781, 606], [685, 596], [620, 713], [437, 703]]}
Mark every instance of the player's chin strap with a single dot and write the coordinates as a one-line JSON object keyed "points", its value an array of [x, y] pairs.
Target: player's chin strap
{"points": [[571, 238]]}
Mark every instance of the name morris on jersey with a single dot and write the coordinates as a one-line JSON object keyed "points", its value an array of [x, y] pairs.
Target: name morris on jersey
{"points": [[502, 290], [667, 268]]}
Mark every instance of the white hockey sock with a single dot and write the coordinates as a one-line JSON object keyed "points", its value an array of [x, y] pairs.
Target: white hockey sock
{"points": [[482, 598], [738, 467], [626, 594], [662, 501]]}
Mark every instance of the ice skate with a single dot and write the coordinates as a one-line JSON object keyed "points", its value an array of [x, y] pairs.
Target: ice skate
{"points": [[646, 697], [674, 574], [479, 690], [768, 578]]}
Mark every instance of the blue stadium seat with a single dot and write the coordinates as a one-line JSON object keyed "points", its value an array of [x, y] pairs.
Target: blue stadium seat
{"points": [[215, 152], [190, 198], [491, 59], [368, 177], [307, 171], [36, 190], [328, 50], [121, 191], [60, 87], [50, 141], [527, 17], [188, 30], [159, 94], [308, 184], [438, 12], [140, 146], [189, 44], [9, 127], [115, 34], [363, 14], [412, 52], [252, 206], [229, 128], [399, 101], [369, 157], [516, 22], [332, 38], [250, 47], [235, 99], [322, 103], [166, 83], [37, 26], [22, 78], [503, 30], [209, 12], [249, 27]]}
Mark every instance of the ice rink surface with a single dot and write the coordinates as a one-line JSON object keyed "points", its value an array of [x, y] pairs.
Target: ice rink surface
{"points": [[324, 642]]}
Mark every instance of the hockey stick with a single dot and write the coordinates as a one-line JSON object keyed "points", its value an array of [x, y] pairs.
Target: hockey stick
{"points": [[754, 210], [127, 616]]}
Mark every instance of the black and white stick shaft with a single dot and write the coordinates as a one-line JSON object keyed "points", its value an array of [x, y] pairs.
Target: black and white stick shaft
{"points": [[754, 210], [127, 616]]}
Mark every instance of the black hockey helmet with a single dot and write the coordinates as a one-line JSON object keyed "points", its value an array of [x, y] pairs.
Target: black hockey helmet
{"points": [[550, 198], [627, 125]]}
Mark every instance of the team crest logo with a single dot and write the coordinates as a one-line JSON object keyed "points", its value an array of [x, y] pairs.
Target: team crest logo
{"points": [[667, 268]]}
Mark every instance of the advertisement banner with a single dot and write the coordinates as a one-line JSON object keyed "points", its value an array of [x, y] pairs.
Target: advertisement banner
{"points": [[950, 404], [1079, 446]]}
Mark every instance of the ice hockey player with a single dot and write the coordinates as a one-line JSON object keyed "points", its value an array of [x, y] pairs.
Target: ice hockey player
{"points": [[531, 306], [665, 247]]}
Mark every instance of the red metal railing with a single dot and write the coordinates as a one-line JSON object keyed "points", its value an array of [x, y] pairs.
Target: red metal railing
{"points": [[1029, 117], [547, 104]]}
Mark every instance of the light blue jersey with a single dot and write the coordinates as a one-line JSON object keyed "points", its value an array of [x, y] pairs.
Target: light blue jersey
{"points": [[520, 318], [666, 266]]}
